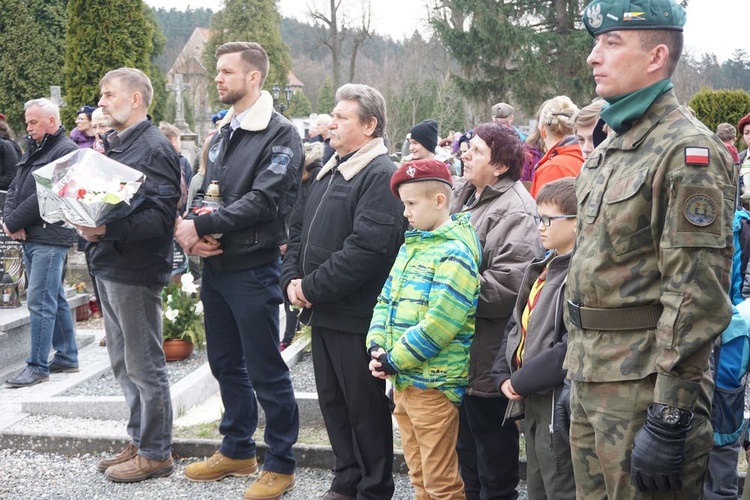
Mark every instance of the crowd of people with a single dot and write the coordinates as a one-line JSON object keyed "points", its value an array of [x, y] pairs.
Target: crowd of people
{"points": [[571, 283]]}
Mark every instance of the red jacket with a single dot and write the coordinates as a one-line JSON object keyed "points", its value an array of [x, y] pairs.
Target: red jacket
{"points": [[564, 159]]}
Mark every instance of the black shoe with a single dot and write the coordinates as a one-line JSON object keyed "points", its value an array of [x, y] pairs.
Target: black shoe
{"points": [[27, 378], [56, 367]]}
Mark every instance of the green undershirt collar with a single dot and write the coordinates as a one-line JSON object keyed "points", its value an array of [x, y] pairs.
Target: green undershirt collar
{"points": [[623, 110]]}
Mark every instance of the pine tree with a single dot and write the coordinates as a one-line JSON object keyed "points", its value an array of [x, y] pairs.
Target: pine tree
{"points": [[326, 98], [99, 40], [32, 37], [249, 21], [299, 106], [516, 50]]}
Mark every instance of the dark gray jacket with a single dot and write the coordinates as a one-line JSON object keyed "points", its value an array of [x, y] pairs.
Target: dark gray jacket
{"points": [[21, 210], [137, 249], [547, 338], [258, 169], [344, 239]]}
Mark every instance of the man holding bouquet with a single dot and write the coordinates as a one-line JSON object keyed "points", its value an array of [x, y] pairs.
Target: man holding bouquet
{"points": [[131, 260], [45, 247]]}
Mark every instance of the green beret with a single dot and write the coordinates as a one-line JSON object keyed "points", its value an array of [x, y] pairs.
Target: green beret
{"points": [[602, 16]]}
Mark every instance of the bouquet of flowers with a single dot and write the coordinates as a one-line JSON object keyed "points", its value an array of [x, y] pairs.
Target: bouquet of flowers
{"points": [[87, 188]]}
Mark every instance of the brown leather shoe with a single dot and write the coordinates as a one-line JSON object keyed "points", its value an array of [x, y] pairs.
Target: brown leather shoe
{"points": [[269, 486], [138, 469], [219, 466], [125, 454]]}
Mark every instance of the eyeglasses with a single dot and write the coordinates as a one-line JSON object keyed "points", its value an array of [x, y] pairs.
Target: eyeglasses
{"points": [[546, 220]]}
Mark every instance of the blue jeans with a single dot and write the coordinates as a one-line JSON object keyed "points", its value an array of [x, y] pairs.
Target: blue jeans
{"points": [[50, 318], [133, 322], [241, 311]]}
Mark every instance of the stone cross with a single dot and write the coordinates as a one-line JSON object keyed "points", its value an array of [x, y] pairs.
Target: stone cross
{"points": [[178, 87], [55, 95]]}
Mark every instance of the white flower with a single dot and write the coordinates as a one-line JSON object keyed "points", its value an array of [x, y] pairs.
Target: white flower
{"points": [[198, 308], [171, 314], [187, 284], [169, 298]]}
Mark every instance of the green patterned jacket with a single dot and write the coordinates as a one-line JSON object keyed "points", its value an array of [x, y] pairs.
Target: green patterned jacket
{"points": [[424, 317]]}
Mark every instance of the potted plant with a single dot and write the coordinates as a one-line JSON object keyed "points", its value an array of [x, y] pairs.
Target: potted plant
{"points": [[182, 319]]}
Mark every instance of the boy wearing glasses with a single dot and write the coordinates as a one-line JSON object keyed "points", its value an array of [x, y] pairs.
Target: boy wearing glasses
{"points": [[529, 366]]}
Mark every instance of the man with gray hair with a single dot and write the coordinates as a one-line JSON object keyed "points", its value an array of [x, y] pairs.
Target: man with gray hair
{"points": [[131, 261], [45, 247], [344, 237]]}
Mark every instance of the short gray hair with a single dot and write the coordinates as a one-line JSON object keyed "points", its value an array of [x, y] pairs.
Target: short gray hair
{"points": [[48, 107], [134, 80], [371, 104]]}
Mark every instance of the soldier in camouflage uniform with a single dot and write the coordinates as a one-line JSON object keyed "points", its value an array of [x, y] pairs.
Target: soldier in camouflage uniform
{"points": [[648, 281]]}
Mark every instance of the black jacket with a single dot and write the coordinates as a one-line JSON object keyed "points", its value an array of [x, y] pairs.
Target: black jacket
{"points": [[21, 209], [258, 170], [137, 249], [344, 239], [9, 155]]}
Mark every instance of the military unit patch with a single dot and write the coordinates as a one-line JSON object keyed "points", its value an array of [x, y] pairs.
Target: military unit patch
{"points": [[700, 210], [696, 156]]}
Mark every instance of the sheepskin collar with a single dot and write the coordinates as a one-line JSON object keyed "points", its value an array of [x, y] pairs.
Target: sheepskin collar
{"points": [[259, 116], [359, 160]]}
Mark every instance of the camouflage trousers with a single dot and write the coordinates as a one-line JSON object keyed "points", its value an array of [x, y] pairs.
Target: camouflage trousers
{"points": [[605, 416]]}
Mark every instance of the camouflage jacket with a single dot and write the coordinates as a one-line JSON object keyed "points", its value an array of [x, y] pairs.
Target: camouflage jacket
{"points": [[655, 209]]}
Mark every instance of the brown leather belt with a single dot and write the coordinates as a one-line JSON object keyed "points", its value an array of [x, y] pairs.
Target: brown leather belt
{"points": [[623, 318]]}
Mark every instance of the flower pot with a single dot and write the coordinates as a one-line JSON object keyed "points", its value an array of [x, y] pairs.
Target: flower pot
{"points": [[177, 350]]}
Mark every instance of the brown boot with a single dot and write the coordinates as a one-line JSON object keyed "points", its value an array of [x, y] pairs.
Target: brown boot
{"points": [[125, 454], [219, 466], [269, 486], [138, 469]]}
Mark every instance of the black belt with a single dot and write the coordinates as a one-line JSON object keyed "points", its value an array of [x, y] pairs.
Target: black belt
{"points": [[623, 318]]}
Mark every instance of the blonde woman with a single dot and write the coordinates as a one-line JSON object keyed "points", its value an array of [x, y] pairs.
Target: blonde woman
{"points": [[563, 157]]}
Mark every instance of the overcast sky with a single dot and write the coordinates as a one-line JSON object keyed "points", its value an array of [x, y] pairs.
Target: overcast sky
{"points": [[715, 26]]}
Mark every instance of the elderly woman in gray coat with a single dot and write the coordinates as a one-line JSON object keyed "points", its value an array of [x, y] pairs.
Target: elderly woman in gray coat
{"points": [[502, 212]]}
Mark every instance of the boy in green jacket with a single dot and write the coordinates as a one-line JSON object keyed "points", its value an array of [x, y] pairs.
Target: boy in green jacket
{"points": [[423, 324]]}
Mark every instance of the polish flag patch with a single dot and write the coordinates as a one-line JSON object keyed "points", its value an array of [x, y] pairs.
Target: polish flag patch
{"points": [[696, 156]]}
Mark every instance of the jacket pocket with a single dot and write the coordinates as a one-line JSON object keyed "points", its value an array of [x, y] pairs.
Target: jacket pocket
{"points": [[628, 214]]}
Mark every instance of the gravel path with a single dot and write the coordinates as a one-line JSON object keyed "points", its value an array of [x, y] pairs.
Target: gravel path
{"points": [[106, 385], [28, 475]]}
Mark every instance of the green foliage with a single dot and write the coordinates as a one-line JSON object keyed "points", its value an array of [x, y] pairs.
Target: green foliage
{"points": [[250, 21], [183, 312], [300, 106], [177, 26], [98, 41], [713, 107], [519, 50], [326, 98], [32, 37]]}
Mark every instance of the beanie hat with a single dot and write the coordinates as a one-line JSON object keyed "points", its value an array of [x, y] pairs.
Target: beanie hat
{"points": [[745, 120], [602, 16], [420, 170], [426, 133]]}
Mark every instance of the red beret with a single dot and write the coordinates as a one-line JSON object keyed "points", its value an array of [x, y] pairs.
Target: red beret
{"points": [[745, 120], [2, 117], [420, 170]]}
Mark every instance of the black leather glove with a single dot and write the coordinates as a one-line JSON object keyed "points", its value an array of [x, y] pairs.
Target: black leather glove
{"points": [[658, 450], [385, 366], [561, 426]]}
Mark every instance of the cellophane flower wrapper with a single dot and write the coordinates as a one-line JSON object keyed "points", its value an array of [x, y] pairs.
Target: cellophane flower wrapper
{"points": [[88, 189]]}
